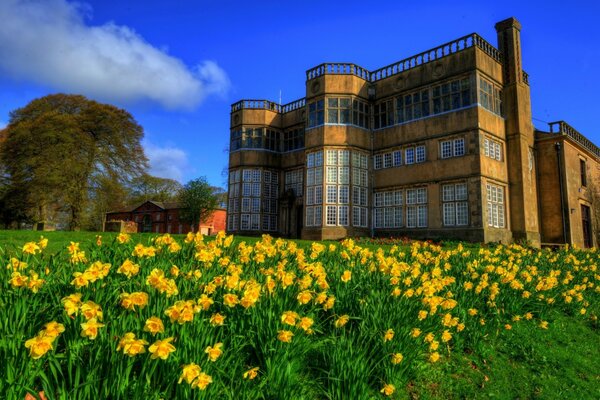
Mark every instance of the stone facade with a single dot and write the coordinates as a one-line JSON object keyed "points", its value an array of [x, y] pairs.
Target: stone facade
{"points": [[440, 145], [159, 217]]}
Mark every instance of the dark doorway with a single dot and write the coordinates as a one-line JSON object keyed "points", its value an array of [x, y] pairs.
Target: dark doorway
{"points": [[586, 222], [147, 223], [299, 221]]}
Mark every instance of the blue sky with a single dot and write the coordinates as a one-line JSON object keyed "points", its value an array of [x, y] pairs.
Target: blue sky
{"points": [[178, 65]]}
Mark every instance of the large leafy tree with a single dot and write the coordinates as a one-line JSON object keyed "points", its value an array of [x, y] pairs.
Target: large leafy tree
{"points": [[147, 187], [58, 147], [198, 200]]}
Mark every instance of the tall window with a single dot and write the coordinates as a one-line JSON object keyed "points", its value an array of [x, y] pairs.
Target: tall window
{"points": [[583, 172], [412, 106], [492, 149], [397, 158], [293, 181], [339, 110], [316, 113], [490, 96], [360, 184], [236, 140], [260, 191], [337, 167], [378, 161], [233, 207], [495, 205], [293, 139], [255, 138], [387, 160], [384, 114], [455, 205], [360, 113], [388, 211], [452, 148], [314, 188], [416, 208], [451, 95], [409, 155], [420, 154]]}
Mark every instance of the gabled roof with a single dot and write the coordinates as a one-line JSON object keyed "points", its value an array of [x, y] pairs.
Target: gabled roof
{"points": [[160, 204], [163, 205]]}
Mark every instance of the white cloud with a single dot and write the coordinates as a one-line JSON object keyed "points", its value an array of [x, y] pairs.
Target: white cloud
{"points": [[2, 124], [166, 162], [50, 42]]}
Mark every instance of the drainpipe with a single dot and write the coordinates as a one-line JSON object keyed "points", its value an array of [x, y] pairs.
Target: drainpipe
{"points": [[558, 148]]}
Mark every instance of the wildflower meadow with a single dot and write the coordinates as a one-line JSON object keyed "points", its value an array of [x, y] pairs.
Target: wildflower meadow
{"points": [[228, 319]]}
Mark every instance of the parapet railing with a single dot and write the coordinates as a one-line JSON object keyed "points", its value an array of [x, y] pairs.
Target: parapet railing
{"points": [[337, 69], [268, 105], [256, 104], [437, 53], [561, 127], [425, 57], [294, 105]]}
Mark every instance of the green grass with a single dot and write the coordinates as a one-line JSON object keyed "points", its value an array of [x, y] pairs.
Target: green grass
{"points": [[59, 240], [527, 363]]}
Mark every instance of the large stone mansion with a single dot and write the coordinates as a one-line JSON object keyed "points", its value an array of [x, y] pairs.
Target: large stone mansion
{"points": [[439, 145]]}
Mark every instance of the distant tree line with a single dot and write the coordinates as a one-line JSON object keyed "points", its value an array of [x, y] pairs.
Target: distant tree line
{"points": [[66, 161]]}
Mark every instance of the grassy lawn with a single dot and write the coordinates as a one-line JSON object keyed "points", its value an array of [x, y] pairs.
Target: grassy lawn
{"points": [[58, 240], [493, 361], [528, 363]]}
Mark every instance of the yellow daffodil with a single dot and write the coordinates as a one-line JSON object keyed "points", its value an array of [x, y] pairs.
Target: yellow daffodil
{"points": [[31, 248], [446, 336], [161, 348], [388, 335], [397, 358], [43, 242], [190, 373], [434, 357], [214, 352], [289, 317], [89, 310], [230, 299], [128, 268], [285, 336], [202, 381], [154, 325], [53, 329], [71, 303], [90, 328], [251, 373], [18, 280], [39, 345], [130, 345], [341, 321], [305, 324], [346, 276], [135, 299], [217, 319], [388, 389], [123, 238]]}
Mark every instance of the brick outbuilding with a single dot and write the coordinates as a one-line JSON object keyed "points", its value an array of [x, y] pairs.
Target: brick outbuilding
{"points": [[163, 217]]}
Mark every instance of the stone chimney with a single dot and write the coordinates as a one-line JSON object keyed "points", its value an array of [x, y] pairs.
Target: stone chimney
{"points": [[516, 99]]}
